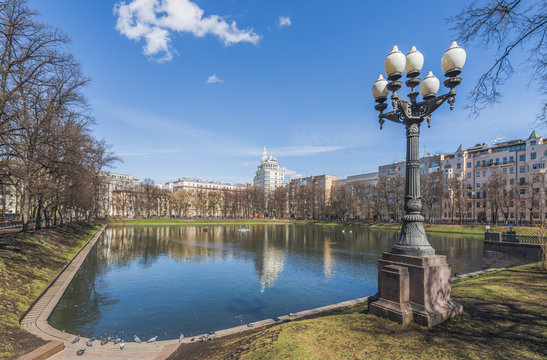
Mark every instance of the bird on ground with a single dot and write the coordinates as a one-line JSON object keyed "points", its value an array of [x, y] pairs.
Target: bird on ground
{"points": [[212, 336], [152, 339], [136, 338], [118, 340], [80, 352], [122, 345], [181, 337], [93, 339], [75, 340], [193, 339], [104, 342], [250, 325], [89, 343]]}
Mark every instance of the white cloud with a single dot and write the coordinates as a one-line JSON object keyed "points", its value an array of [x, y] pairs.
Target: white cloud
{"points": [[213, 79], [291, 174], [303, 150], [155, 21], [284, 21], [151, 152]]}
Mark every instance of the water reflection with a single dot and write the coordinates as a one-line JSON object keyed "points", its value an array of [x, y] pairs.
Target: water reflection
{"points": [[164, 280]]}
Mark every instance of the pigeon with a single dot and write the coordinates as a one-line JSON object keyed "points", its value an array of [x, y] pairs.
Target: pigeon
{"points": [[104, 342], [181, 337], [75, 340], [89, 343], [250, 325], [118, 340], [93, 339], [152, 339], [136, 338], [193, 339], [122, 345], [212, 336], [80, 352]]}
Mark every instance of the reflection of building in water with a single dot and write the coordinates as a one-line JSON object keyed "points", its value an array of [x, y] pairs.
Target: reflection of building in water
{"points": [[329, 259], [269, 264]]}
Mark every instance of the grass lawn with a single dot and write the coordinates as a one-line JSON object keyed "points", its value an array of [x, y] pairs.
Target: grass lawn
{"points": [[28, 262], [505, 317], [160, 221], [522, 230]]}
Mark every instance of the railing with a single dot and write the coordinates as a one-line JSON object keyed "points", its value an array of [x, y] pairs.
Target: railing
{"points": [[525, 239]]}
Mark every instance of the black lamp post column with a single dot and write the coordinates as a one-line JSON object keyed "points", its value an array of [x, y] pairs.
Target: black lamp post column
{"points": [[412, 240]]}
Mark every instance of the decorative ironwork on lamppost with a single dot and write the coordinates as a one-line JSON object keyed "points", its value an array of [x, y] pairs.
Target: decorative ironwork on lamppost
{"points": [[411, 113]]}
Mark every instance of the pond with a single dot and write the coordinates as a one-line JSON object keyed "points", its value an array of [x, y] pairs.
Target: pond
{"points": [[161, 281]]}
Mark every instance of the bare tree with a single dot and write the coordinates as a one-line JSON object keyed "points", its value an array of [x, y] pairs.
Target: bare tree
{"points": [[506, 25]]}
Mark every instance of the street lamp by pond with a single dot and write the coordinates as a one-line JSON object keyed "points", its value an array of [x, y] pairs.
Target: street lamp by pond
{"points": [[411, 113], [413, 282]]}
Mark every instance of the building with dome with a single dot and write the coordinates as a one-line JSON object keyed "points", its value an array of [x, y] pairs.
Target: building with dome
{"points": [[269, 175]]}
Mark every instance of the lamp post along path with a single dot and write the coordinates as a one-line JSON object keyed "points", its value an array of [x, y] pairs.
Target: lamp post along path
{"points": [[412, 248]]}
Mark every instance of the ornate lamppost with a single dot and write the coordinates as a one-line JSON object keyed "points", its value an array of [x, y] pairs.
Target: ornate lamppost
{"points": [[413, 282]]}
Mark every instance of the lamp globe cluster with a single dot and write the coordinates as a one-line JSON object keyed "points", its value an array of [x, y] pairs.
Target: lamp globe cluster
{"points": [[396, 63]]}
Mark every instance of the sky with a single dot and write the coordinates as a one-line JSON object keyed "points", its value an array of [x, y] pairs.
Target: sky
{"points": [[197, 88]]}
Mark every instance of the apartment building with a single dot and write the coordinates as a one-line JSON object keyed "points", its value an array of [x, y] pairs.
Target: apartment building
{"points": [[201, 185], [520, 164]]}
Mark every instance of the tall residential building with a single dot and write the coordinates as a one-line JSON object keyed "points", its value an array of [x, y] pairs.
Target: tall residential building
{"points": [[269, 175]]}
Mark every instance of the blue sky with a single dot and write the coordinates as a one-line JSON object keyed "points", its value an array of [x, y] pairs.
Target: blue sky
{"points": [[294, 76]]}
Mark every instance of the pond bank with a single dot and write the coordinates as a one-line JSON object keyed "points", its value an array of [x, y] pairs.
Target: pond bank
{"points": [[500, 308]]}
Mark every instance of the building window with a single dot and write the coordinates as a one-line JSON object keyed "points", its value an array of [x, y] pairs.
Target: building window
{"points": [[469, 174], [494, 172], [532, 143], [505, 170], [448, 167], [491, 161], [469, 164], [505, 160], [511, 159], [478, 185], [522, 169], [522, 157], [533, 155], [484, 173], [459, 166], [511, 170], [478, 174]]}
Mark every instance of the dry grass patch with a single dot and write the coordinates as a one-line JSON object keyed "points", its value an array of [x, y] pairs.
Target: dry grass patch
{"points": [[28, 262]]}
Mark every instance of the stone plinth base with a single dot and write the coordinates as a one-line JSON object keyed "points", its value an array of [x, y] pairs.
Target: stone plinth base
{"points": [[414, 288]]}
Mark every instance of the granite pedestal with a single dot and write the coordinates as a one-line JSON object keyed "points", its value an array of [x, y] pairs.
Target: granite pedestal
{"points": [[414, 288]]}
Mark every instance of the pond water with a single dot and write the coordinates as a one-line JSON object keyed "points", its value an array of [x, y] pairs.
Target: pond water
{"points": [[161, 281]]}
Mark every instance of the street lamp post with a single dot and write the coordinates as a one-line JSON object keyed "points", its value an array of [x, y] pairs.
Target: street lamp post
{"points": [[411, 113], [413, 282]]}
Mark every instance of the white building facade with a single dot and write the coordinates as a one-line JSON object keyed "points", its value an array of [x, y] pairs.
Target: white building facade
{"points": [[269, 174]]}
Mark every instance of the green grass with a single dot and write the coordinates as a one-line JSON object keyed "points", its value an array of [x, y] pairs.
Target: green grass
{"points": [[160, 222], [28, 262], [477, 229], [505, 317]]}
